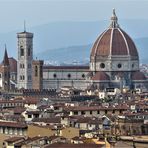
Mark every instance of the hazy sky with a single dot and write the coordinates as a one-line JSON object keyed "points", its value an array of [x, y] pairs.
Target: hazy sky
{"points": [[36, 12]]}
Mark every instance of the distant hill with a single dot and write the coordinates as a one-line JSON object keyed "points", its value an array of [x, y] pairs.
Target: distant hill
{"points": [[49, 39], [67, 54], [82, 53]]}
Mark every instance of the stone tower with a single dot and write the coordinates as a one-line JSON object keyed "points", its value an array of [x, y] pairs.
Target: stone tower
{"points": [[25, 57], [37, 74], [5, 72]]}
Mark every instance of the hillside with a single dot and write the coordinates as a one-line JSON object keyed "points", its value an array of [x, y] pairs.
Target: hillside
{"points": [[60, 41], [82, 53]]}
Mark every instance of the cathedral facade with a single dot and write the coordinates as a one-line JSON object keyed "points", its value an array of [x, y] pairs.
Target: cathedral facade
{"points": [[114, 62]]}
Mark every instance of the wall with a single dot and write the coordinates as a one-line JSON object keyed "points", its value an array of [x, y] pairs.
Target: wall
{"points": [[34, 130]]}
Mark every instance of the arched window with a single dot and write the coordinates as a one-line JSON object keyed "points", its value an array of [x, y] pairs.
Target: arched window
{"points": [[36, 71], [22, 51]]}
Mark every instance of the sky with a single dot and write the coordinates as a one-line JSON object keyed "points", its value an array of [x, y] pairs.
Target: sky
{"points": [[37, 12]]}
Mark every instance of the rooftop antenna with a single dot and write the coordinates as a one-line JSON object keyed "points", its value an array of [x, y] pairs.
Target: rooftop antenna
{"points": [[24, 26]]}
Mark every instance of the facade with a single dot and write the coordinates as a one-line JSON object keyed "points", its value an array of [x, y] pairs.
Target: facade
{"points": [[60, 76], [25, 57]]}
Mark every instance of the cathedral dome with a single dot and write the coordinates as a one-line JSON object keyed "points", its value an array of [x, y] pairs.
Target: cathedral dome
{"points": [[114, 42]]}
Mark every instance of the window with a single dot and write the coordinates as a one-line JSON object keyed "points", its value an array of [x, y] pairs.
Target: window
{"points": [[29, 51], [119, 65], [75, 112], [90, 112], [54, 75], [22, 51], [69, 75], [83, 75], [102, 65], [29, 116], [105, 111], [0, 75], [82, 113], [36, 71], [98, 112]]}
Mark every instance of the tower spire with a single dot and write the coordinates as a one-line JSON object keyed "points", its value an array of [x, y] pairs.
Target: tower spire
{"points": [[5, 59], [114, 20]]}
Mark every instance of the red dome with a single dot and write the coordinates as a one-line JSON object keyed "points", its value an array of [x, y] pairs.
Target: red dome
{"points": [[138, 76], [101, 76], [114, 41]]}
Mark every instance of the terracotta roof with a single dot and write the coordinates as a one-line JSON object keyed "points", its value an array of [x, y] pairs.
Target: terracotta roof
{"points": [[101, 76], [67, 145], [55, 137], [66, 67], [138, 76], [14, 139], [79, 138], [95, 108], [29, 140], [18, 110], [114, 41], [33, 112], [13, 64], [48, 120], [13, 124]]}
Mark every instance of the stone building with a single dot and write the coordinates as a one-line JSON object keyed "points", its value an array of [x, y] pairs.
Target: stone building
{"points": [[114, 59], [114, 62], [25, 57]]}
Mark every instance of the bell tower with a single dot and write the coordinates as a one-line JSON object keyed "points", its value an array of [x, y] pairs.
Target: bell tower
{"points": [[37, 74], [25, 57]]}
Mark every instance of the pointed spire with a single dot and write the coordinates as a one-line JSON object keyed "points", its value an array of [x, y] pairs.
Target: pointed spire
{"points": [[24, 26], [114, 20], [5, 59]]}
